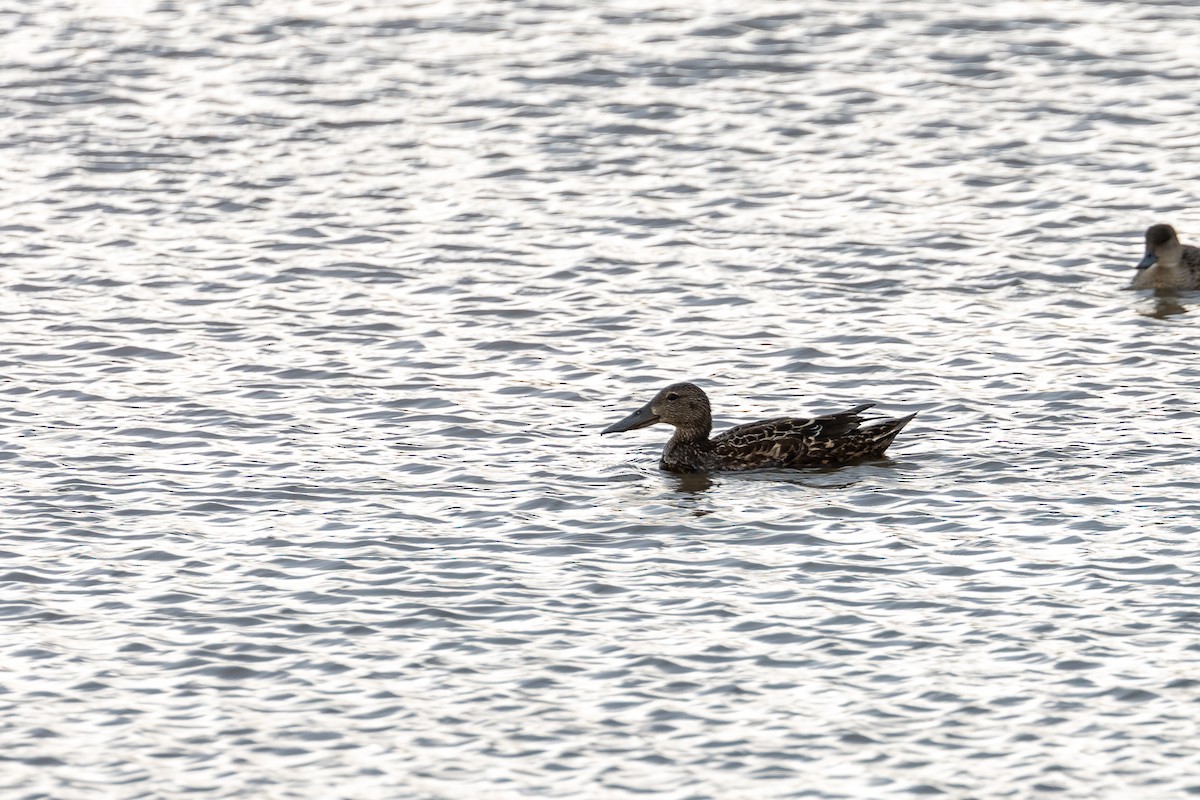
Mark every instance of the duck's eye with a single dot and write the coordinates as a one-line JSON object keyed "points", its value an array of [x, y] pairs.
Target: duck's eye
{"points": [[672, 396]]}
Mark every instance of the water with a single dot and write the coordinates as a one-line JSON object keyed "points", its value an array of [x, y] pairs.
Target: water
{"points": [[312, 313]]}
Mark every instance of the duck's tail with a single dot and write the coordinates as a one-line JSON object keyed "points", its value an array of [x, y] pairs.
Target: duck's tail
{"points": [[881, 434]]}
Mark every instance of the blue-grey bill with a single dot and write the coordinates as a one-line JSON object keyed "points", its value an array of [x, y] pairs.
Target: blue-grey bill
{"points": [[1148, 261], [639, 419]]}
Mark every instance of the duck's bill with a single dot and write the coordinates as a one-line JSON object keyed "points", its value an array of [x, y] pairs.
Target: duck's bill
{"points": [[639, 419], [1149, 261]]}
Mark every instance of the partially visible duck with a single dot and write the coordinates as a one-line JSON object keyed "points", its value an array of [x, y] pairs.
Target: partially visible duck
{"points": [[830, 440], [1167, 264]]}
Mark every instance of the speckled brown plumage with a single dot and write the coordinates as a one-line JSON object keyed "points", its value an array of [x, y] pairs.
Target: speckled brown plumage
{"points": [[1167, 263], [786, 442]]}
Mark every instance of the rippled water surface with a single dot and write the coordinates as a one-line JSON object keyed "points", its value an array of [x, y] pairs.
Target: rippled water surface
{"points": [[312, 313]]}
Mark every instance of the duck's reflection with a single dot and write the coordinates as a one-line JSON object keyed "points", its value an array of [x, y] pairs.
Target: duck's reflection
{"points": [[818, 478], [691, 492], [691, 482], [1166, 304]]}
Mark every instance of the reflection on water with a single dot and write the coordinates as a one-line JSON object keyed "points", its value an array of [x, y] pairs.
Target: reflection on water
{"points": [[312, 312], [1166, 303], [692, 483]]}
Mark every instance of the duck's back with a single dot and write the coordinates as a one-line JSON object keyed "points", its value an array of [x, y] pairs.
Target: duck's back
{"points": [[1190, 260], [796, 442]]}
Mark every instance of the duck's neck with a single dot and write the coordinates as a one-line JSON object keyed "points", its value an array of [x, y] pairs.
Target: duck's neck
{"points": [[686, 450], [1170, 262], [692, 435], [1162, 275]]}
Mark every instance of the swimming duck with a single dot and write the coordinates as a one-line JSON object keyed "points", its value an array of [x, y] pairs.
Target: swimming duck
{"points": [[830, 440], [1167, 264]]}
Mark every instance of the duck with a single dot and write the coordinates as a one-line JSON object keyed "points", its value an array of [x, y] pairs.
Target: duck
{"points": [[1167, 263], [785, 442]]}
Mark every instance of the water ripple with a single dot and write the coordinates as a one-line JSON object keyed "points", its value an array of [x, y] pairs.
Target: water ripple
{"points": [[313, 313]]}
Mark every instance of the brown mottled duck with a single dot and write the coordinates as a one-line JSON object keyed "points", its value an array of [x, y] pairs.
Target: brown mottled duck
{"points": [[1167, 263], [785, 442]]}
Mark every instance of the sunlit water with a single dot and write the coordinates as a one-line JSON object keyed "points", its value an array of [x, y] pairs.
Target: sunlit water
{"points": [[312, 313]]}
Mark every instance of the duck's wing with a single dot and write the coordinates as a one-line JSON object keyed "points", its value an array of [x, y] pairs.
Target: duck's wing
{"points": [[795, 442], [1190, 258]]}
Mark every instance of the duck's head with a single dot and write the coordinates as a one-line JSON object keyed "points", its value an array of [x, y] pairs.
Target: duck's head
{"points": [[1162, 246], [684, 405]]}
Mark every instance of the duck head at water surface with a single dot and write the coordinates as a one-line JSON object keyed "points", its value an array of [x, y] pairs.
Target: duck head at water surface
{"points": [[830, 440], [1167, 264]]}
